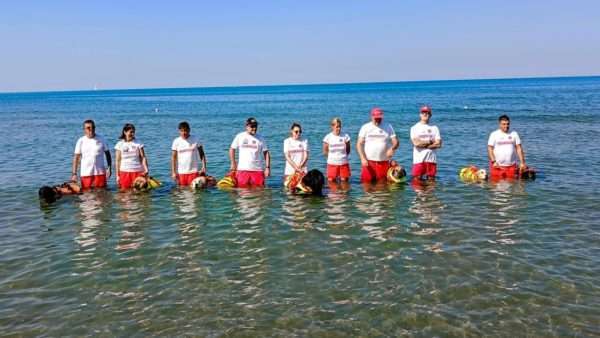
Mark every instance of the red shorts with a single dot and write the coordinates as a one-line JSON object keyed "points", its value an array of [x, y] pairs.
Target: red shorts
{"points": [[250, 178], [504, 172], [335, 171], [126, 178], [424, 168], [375, 171], [96, 181], [186, 179]]}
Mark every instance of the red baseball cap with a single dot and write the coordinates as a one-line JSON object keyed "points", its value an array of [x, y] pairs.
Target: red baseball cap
{"points": [[425, 109], [377, 113]]}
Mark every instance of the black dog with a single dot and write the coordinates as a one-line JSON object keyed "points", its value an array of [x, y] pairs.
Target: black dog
{"points": [[314, 179]]}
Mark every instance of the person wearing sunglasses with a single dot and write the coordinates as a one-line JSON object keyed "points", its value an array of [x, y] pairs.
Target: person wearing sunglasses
{"points": [[426, 140], [252, 149], [295, 149], [89, 152]]}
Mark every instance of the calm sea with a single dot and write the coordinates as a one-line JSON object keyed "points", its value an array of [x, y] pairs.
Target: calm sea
{"points": [[450, 259]]}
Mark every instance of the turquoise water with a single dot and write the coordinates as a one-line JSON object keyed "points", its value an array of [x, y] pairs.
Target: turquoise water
{"points": [[450, 259]]}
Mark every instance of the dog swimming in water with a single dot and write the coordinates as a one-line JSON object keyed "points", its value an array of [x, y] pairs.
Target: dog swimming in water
{"points": [[310, 183]]}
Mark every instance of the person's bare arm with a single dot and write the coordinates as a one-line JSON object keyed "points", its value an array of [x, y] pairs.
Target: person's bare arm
{"points": [[491, 156], [521, 154], [144, 161], [267, 163], [233, 166], [76, 158], [395, 145], [436, 144], [174, 165], [325, 149], [202, 159], [360, 148], [117, 164]]}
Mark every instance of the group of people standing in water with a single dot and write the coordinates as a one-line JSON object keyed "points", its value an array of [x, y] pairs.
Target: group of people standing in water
{"points": [[377, 142]]}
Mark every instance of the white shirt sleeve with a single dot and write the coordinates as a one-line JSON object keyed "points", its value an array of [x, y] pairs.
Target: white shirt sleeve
{"points": [[235, 142], [118, 145], [326, 139], [413, 133], [437, 136], [78, 146], [286, 146], [391, 131], [491, 140], [306, 145], [174, 145], [517, 138], [264, 144], [362, 133], [104, 144]]}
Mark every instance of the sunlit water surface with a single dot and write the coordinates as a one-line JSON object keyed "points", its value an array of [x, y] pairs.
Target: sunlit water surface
{"points": [[449, 259]]}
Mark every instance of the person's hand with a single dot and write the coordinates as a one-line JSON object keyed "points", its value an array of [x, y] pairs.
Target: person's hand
{"points": [[364, 162], [232, 167], [523, 166], [203, 171], [145, 173], [74, 178], [389, 153], [267, 172], [174, 176], [109, 172], [495, 164]]}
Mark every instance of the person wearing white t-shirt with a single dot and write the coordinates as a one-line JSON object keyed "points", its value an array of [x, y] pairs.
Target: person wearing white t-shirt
{"points": [[186, 153], [295, 150], [250, 169], [90, 150], [426, 139], [376, 145], [130, 157], [336, 146], [503, 149]]}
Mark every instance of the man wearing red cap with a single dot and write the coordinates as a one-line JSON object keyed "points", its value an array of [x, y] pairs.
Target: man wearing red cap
{"points": [[376, 145], [426, 139]]}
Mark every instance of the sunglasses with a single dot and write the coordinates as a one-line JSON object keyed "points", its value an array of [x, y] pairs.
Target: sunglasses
{"points": [[297, 131], [88, 127]]}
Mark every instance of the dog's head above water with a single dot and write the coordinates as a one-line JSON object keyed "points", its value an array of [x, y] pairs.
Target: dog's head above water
{"points": [[314, 179]]}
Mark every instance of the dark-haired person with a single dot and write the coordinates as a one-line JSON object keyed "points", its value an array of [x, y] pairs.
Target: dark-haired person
{"points": [[90, 150], [503, 149], [376, 145], [186, 152], [51, 194], [426, 139], [130, 157], [295, 150], [250, 168]]}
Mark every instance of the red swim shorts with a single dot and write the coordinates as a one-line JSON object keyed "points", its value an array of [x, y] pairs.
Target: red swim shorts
{"points": [[186, 179], [503, 172], [374, 171], [250, 178], [424, 168], [97, 181], [126, 178], [335, 171]]}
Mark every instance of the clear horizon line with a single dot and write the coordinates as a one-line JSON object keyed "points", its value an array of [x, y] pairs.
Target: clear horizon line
{"points": [[297, 84]]}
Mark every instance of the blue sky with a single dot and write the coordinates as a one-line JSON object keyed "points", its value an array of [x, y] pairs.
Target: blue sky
{"points": [[63, 45]]}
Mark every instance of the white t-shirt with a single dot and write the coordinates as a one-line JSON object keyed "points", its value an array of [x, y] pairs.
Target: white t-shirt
{"points": [[424, 132], [92, 155], [187, 154], [377, 140], [296, 149], [504, 146], [251, 148], [131, 159], [337, 148]]}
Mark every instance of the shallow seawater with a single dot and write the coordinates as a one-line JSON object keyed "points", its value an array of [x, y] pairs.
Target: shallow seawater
{"points": [[446, 259]]}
